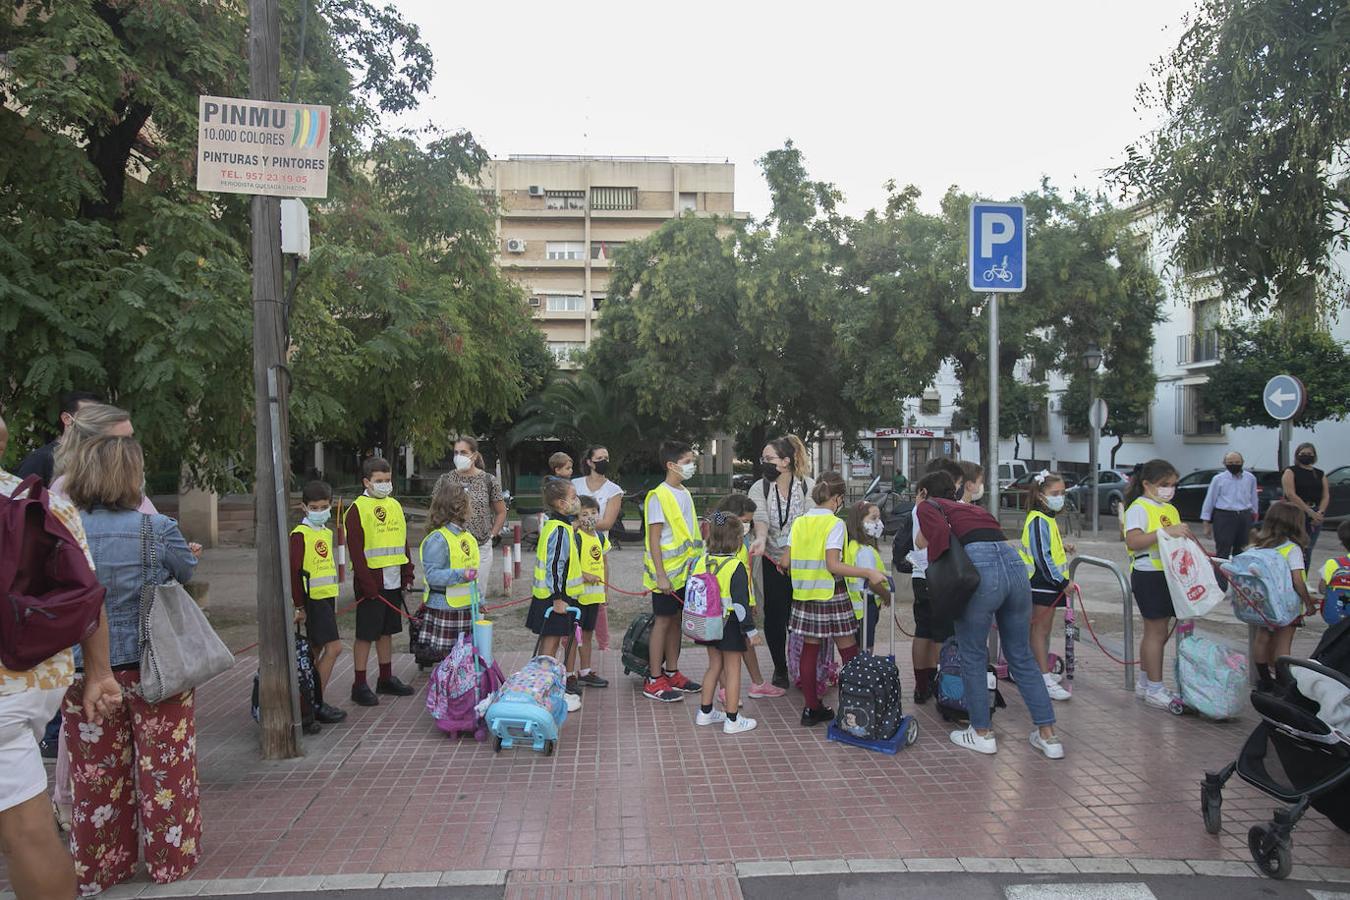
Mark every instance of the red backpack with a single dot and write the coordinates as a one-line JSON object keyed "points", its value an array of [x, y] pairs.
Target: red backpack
{"points": [[51, 598]]}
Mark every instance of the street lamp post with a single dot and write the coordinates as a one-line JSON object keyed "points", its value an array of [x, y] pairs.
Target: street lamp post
{"points": [[1092, 359]]}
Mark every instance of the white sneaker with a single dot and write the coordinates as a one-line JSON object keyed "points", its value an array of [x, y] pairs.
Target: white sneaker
{"points": [[573, 702], [709, 718], [1140, 687], [1055, 690], [743, 723], [1054, 676], [1159, 699], [1051, 747], [972, 740]]}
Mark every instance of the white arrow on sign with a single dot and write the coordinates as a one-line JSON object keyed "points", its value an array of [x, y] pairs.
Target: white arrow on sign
{"points": [[1280, 398]]}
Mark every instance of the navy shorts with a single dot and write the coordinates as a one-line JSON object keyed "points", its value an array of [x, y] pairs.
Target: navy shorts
{"points": [[668, 604], [1151, 594], [552, 625], [376, 618], [321, 622]]}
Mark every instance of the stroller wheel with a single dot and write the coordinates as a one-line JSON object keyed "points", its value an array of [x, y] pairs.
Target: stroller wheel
{"points": [[912, 734], [1056, 664], [496, 745], [1273, 857], [549, 746], [1211, 807]]}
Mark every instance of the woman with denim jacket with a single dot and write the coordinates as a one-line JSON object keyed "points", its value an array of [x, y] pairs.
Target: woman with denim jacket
{"points": [[146, 751]]}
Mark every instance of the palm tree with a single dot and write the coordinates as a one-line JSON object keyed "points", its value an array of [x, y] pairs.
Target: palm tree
{"points": [[580, 410]]}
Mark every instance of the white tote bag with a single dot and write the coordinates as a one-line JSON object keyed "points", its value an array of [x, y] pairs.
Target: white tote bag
{"points": [[1190, 576]]}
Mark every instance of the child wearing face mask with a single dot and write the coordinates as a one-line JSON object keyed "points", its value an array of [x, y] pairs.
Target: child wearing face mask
{"points": [[864, 528], [1047, 560], [314, 590], [593, 547], [971, 484], [821, 609], [743, 508], [1149, 509], [382, 569], [672, 542], [558, 579]]}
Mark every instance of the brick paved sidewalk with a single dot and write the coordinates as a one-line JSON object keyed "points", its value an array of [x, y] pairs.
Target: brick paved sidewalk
{"points": [[636, 784]]}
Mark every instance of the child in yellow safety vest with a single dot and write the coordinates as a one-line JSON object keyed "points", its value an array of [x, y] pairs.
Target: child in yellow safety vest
{"points": [[558, 578], [450, 560], [1047, 560], [1282, 529], [743, 508], [314, 590], [671, 544], [723, 562], [593, 547], [382, 569], [865, 528]]}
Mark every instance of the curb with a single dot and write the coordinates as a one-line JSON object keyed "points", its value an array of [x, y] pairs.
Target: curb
{"points": [[1080, 866]]}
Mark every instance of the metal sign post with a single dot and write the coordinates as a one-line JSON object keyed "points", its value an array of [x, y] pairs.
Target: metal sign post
{"points": [[997, 265], [1284, 397]]}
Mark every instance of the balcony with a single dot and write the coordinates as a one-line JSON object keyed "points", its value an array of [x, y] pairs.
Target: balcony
{"points": [[1197, 348]]}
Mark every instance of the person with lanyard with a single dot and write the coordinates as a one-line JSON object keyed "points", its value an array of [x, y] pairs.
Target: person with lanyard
{"points": [[595, 483], [781, 497], [1231, 506], [487, 505], [1306, 487]]}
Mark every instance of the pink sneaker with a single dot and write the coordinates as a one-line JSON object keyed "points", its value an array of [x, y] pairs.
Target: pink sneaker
{"points": [[765, 691], [722, 696]]}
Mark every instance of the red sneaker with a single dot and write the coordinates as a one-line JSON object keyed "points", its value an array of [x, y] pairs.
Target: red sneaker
{"points": [[680, 683], [659, 689]]}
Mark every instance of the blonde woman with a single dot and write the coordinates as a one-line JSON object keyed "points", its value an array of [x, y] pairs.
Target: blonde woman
{"points": [[91, 421], [144, 750]]}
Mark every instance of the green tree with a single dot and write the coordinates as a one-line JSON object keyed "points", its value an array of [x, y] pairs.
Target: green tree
{"points": [[1248, 164], [581, 410], [1256, 351]]}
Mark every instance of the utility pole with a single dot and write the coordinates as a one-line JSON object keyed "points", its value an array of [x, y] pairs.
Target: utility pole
{"points": [[277, 699], [991, 455]]}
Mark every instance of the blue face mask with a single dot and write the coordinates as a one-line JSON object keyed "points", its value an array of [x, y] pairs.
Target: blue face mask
{"points": [[1054, 504], [318, 519]]}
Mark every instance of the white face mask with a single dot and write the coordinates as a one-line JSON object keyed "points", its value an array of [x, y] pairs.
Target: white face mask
{"points": [[381, 488], [978, 495], [318, 519], [687, 470], [1165, 494], [462, 462], [874, 528], [745, 528], [1054, 504]]}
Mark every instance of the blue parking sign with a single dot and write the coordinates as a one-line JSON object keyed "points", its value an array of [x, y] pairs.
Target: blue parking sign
{"points": [[998, 248]]}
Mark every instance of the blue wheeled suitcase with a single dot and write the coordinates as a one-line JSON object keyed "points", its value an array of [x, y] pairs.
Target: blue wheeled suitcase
{"points": [[530, 707]]}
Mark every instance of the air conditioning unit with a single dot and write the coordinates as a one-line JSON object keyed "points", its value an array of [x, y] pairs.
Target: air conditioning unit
{"points": [[536, 301], [515, 245], [536, 190]]}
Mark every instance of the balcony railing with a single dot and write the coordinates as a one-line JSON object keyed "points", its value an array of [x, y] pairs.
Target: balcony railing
{"points": [[1200, 347]]}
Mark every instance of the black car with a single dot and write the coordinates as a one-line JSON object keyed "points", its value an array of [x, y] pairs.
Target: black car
{"points": [[1339, 479], [744, 481], [1191, 490]]}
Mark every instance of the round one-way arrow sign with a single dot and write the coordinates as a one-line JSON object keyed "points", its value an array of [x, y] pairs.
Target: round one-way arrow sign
{"points": [[1284, 397]]}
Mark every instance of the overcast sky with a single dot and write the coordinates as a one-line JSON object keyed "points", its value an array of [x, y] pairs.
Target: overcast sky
{"points": [[990, 96]]}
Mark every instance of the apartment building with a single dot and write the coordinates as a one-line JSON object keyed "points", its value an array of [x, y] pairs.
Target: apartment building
{"points": [[562, 219]]}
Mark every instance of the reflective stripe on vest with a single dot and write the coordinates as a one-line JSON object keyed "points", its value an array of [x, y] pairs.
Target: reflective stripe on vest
{"points": [[680, 541], [319, 566], [384, 531], [1159, 516], [811, 580], [857, 591], [593, 549], [1057, 553], [722, 568], [574, 583], [463, 555]]}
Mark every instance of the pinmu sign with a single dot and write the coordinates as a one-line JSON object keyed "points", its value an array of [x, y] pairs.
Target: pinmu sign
{"points": [[255, 147]]}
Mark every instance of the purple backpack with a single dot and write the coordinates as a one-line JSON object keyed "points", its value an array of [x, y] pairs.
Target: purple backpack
{"points": [[458, 684], [827, 667]]}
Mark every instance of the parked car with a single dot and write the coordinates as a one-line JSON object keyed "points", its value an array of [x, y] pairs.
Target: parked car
{"points": [[1111, 484], [1191, 490], [744, 481], [1339, 479], [1014, 496], [1009, 471]]}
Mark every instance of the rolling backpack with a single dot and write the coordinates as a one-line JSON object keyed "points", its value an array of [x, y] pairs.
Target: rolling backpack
{"points": [[1336, 603], [950, 691], [869, 696], [1261, 589], [1212, 677], [704, 612]]}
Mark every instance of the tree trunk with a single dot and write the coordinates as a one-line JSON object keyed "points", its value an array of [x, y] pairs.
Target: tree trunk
{"points": [[1120, 442], [1297, 298]]}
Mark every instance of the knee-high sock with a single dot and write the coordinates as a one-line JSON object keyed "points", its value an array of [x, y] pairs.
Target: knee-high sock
{"points": [[810, 658]]}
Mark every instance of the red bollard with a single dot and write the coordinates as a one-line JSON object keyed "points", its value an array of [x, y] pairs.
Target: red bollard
{"points": [[515, 552], [506, 569]]}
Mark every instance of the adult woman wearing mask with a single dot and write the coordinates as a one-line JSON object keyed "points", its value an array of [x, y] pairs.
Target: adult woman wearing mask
{"points": [[487, 506], [781, 496], [1306, 487], [594, 482]]}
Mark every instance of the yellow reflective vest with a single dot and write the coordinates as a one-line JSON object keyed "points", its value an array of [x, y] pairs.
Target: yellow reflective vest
{"points": [[1160, 515], [463, 555], [593, 548], [681, 541], [319, 567], [542, 590], [722, 568], [857, 587], [1057, 554], [384, 531], [810, 579]]}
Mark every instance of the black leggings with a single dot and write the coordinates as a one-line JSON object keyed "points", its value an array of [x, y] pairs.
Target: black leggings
{"points": [[777, 602]]}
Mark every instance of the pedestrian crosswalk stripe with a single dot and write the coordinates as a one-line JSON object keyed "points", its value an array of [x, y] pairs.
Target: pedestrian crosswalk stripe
{"points": [[1084, 891], [1328, 895]]}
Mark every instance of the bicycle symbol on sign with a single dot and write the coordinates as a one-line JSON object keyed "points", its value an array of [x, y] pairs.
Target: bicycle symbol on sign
{"points": [[1000, 271]]}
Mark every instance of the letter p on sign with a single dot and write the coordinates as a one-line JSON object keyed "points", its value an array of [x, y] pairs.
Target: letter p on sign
{"points": [[998, 245]]}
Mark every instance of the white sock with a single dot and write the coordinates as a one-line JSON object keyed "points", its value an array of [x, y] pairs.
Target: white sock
{"points": [[1155, 687], [585, 671]]}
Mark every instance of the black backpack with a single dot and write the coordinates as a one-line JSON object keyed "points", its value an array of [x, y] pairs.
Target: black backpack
{"points": [[902, 546], [869, 698]]}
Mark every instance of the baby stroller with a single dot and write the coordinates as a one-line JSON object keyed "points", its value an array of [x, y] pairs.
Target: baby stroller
{"points": [[1299, 753]]}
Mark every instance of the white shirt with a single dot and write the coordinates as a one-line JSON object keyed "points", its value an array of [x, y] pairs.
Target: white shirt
{"points": [[918, 558], [686, 503], [838, 533], [607, 490]]}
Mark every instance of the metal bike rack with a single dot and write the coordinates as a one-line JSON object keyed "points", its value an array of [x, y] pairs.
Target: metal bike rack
{"points": [[1126, 606]]}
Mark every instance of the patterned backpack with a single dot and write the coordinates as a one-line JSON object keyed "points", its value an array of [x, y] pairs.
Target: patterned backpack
{"points": [[1336, 604], [704, 609], [1261, 588], [950, 691]]}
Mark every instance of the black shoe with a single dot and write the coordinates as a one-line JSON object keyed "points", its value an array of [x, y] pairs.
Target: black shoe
{"points": [[780, 679], [47, 748], [571, 686], [392, 685], [330, 715], [815, 716], [362, 695], [311, 728], [592, 680], [921, 696]]}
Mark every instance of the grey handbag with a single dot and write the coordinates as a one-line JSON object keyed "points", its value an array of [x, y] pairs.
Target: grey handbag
{"points": [[179, 648]]}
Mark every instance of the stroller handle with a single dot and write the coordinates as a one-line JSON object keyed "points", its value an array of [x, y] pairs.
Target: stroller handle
{"points": [[571, 611]]}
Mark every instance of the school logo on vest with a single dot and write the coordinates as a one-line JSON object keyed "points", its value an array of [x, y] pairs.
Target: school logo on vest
{"points": [[379, 513], [464, 546], [595, 552], [1166, 520], [321, 548]]}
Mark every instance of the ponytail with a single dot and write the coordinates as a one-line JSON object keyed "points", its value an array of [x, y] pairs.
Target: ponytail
{"points": [[1153, 471], [830, 485], [790, 447]]}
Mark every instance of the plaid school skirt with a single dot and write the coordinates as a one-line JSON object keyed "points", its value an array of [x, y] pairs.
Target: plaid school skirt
{"points": [[824, 618], [438, 630]]}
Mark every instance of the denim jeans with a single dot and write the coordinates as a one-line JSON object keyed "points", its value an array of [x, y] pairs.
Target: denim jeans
{"points": [[1004, 595]]}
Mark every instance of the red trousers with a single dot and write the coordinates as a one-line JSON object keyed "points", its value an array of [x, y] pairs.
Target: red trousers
{"points": [[134, 777]]}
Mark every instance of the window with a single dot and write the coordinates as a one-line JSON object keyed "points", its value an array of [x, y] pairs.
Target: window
{"points": [[1193, 420], [565, 351], [614, 198], [564, 302], [565, 200], [931, 404], [1202, 344], [605, 249], [688, 201], [565, 249], [596, 301]]}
